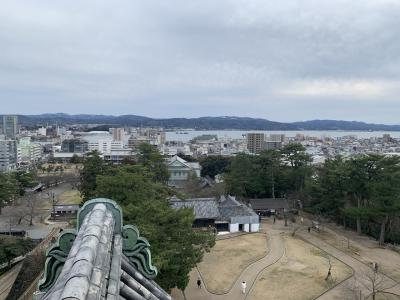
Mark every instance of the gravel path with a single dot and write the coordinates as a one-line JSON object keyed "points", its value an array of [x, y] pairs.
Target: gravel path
{"points": [[361, 271], [7, 280], [250, 274], [276, 249]]}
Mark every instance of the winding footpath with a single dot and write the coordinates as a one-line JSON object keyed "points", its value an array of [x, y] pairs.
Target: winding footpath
{"points": [[249, 274], [355, 283], [360, 270]]}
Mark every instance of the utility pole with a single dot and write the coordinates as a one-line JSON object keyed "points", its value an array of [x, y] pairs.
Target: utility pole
{"points": [[53, 201]]}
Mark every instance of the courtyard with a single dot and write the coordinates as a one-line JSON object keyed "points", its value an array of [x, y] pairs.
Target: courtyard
{"points": [[228, 258], [277, 264]]}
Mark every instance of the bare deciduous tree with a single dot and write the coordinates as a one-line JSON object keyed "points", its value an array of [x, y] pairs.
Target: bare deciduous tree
{"points": [[329, 274], [369, 286]]}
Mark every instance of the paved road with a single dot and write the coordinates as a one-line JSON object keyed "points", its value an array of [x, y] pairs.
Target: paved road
{"points": [[7, 280], [38, 230], [250, 274], [361, 271]]}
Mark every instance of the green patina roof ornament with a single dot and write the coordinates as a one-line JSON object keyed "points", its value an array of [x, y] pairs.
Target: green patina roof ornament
{"points": [[134, 247], [56, 257]]}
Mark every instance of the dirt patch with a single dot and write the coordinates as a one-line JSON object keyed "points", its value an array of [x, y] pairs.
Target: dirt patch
{"points": [[70, 197], [228, 258], [300, 274], [383, 296], [67, 197]]}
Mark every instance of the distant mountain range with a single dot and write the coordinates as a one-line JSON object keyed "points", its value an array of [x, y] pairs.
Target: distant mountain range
{"points": [[203, 123]]}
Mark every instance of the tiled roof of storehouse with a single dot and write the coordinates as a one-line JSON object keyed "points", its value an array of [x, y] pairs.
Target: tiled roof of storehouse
{"points": [[204, 208]]}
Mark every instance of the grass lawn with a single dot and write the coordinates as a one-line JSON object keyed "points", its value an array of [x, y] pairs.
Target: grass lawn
{"points": [[228, 258], [300, 274]]}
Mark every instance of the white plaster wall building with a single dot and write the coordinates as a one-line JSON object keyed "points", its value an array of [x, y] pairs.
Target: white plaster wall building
{"points": [[224, 214], [180, 170]]}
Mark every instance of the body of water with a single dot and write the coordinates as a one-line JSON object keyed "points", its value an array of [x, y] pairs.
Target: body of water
{"points": [[186, 136], [237, 134]]}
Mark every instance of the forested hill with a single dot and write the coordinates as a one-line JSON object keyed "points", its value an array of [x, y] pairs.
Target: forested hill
{"points": [[203, 123]]}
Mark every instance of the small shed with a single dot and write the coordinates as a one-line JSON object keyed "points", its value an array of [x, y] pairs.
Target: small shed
{"points": [[270, 206], [13, 232], [64, 211]]}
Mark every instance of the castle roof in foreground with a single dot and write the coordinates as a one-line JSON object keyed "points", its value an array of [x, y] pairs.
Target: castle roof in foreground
{"points": [[101, 259]]}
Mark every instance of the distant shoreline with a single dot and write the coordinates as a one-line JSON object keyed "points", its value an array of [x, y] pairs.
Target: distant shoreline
{"points": [[102, 122]]}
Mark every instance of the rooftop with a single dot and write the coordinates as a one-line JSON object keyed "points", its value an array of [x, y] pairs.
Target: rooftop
{"points": [[222, 209], [101, 259], [270, 203]]}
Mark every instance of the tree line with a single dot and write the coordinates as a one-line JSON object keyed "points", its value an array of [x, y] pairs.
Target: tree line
{"points": [[139, 187], [13, 185], [361, 192]]}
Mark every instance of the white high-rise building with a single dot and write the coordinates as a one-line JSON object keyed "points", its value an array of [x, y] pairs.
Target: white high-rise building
{"points": [[118, 134], [10, 126], [42, 131]]}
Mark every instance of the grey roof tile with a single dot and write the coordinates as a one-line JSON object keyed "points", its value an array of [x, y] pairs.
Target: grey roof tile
{"points": [[204, 208], [96, 268]]}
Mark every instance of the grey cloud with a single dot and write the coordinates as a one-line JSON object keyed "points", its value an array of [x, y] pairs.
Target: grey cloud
{"points": [[192, 58]]}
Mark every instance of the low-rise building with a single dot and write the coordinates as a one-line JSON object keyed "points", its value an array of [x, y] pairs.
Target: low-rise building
{"points": [[180, 170], [74, 146], [30, 152], [117, 156], [268, 206], [224, 214], [64, 211]]}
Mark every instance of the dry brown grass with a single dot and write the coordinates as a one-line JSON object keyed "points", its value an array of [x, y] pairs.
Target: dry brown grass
{"points": [[70, 197], [228, 258], [300, 274], [388, 260]]}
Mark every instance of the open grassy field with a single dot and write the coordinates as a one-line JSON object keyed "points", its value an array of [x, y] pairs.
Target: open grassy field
{"points": [[300, 274], [70, 197], [228, 258]]}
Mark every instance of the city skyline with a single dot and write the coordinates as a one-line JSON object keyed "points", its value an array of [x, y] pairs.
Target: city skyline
{"points": [[278, 61]]}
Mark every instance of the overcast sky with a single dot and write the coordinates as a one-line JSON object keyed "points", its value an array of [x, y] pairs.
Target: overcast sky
{"points": [[279, 60]]}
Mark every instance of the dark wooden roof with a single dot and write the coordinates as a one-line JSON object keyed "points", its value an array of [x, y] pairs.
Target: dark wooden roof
{"points": [[269, 203]]}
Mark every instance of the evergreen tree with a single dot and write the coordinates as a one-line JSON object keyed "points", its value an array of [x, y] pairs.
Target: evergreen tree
{"points": [[93, 166], [150, 157], [9, 189]]}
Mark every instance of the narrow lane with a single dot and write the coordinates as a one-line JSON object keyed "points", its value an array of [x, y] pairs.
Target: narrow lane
{"points": [[7, 280]]}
